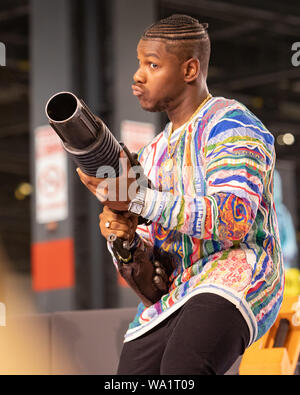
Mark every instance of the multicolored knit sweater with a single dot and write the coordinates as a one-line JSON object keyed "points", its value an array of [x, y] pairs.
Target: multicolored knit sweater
{"points": [[215, 213]]}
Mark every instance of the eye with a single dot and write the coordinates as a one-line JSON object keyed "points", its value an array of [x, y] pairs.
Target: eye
{"points": [[153, 66]]}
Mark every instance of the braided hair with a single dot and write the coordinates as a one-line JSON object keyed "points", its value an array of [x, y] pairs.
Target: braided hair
{"points": [[184, 36], [177, 27]]}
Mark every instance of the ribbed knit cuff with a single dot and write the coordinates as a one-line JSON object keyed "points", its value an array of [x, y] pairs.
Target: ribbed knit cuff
{"points": [[156, 202]]}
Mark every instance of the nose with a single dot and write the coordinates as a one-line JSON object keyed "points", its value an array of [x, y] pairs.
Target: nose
{"points": [[139, 76]]}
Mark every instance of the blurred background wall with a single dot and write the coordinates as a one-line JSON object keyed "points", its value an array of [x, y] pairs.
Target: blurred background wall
{"points": [[89, 47]]}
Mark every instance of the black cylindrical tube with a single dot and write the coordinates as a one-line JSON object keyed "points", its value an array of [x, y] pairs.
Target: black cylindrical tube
{"points": [[85, 137], [92, 146]]}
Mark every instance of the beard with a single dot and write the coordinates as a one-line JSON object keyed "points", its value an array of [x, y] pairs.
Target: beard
{"points": [[149, 105]]}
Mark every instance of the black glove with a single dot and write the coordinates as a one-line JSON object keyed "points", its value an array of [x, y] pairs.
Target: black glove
{"points": [[148, 273]]}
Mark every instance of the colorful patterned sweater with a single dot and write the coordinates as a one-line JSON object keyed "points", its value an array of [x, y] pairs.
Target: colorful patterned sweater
{"points": [[215, 213]]}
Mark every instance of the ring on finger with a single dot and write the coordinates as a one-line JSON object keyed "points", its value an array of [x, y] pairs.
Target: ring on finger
{"points": [[112, 237]]}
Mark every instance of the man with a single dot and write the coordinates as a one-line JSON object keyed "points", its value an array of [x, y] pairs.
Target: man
{"points": [[212, 210]]}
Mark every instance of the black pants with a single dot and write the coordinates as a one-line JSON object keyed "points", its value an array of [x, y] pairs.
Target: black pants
{"points": [[203, 337]]}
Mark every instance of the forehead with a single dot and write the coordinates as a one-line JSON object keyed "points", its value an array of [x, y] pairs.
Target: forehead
{"points": [[155, 48]]}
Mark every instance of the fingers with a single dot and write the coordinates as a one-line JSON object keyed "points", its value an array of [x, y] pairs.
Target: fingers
{"points": [[123, 154], [133, 218], [116, 223], [116, 230], [115, 192], [99, 187], [124, 217], [123, 232], [110, 215], [86, 180]]}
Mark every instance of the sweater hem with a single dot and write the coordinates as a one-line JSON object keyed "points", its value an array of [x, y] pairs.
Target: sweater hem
{"points": [[225, 292]]}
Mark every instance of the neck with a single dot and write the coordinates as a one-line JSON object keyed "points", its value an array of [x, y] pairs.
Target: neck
{"points": [[180, 113]]}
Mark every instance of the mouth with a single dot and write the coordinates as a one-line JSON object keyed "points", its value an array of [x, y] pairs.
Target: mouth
{"points": [[137, 90]]}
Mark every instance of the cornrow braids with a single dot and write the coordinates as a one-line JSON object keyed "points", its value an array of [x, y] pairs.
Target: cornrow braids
{"points": [[183, 36], [177, 27]]}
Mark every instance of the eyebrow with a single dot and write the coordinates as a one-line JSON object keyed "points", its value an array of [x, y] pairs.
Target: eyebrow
{"points": [[151, 54]]}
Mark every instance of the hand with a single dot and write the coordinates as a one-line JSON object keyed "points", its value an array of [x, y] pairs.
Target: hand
{"points": [[122, 225], [115, 193]]}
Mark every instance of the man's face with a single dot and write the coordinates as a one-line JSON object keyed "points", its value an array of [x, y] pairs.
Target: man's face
{"points": [[159, 80]]}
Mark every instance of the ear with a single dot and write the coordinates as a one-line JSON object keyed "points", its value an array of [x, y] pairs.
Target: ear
{"points": [[191, 69]]}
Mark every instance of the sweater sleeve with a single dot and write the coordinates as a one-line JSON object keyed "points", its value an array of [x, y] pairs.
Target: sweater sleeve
{"points": [[236, 155]]}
